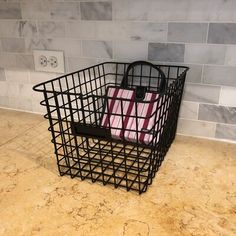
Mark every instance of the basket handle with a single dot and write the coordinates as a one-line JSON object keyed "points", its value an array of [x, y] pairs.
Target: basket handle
{"points": [[124, 82]]}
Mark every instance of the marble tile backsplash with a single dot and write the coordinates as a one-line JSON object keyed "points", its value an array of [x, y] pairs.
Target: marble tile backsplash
{"points": [[96, 10], [169, 52], [198, 34], [187, 32]]}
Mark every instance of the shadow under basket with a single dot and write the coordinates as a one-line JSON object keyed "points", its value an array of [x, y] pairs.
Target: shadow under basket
{"points": [[114, 122]]}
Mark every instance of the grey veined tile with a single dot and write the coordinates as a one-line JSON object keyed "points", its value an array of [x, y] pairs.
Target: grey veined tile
{"points": [[219, 75], [222, 33], [16, 28], [173, 10], [168, 52], [65, 11], [219, 114], [204, 54], [135, 31], [226, 131], [96, 10], [187, 32], [201, 93], [10, 10], [150, 31], [130, 50], [71, 47], [51, 29], [97, 49]]}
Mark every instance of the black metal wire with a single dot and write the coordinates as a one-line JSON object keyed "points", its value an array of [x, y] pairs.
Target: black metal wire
{"points": [[80, 99]]}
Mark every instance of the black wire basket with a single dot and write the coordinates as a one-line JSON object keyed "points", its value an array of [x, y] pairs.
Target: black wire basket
{"points": [[114, 122]]}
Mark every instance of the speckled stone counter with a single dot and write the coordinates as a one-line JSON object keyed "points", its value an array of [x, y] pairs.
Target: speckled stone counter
{"points": [[194, 192]]}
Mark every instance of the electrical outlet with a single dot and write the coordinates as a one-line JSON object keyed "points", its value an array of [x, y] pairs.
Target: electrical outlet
{"points": [[49, 61]]}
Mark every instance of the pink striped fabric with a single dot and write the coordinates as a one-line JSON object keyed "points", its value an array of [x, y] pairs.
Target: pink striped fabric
{"points": [[130, 124]]}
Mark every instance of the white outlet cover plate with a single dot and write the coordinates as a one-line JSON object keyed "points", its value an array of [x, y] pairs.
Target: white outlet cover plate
{"points": [[60, 59]]}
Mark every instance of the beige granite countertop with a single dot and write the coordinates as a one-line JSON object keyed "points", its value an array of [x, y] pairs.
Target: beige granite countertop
{"points": [[194, 192]]}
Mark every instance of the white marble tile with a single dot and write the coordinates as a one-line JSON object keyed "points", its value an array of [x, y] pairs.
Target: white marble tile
{"points": [[35, 9], [20, 103], [130, 50], [122, 30], [201, 93], [36, 107], [189, 110], [184, 10], [196, 128], [75, 63], [150, 31], [204, 54], [71, 47], [187, 32], [219, 75], [39, 77], [228, 96], [26, 90], [4, 101], [13, 44], [17, 76], [15, 28], [117, 30], [3, 88], [49, 29], [16, 61], [97, 49], [221, 10], [13, 89], [230, 55], [82, 29], [194, 74]]}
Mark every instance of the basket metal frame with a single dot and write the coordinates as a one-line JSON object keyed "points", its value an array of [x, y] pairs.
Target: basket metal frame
{"points": [[75, 106]]}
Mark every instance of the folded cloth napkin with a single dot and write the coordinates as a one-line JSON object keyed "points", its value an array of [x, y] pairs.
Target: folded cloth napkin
{"points": [[125, 120]]}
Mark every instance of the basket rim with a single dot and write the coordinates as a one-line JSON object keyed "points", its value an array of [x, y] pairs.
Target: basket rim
{"points": [[38, 89]]}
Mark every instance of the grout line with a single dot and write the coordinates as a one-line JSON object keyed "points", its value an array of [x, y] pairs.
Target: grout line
{"points": [[220, 96], [208, 26], [198, 107], [202, 73], [209, 138]]}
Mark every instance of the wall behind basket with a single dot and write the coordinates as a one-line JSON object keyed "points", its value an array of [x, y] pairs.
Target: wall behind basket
{"points": [[200, 34]]}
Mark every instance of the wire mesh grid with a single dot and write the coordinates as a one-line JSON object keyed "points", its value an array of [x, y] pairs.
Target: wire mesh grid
{"points": [[76, 105]]}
